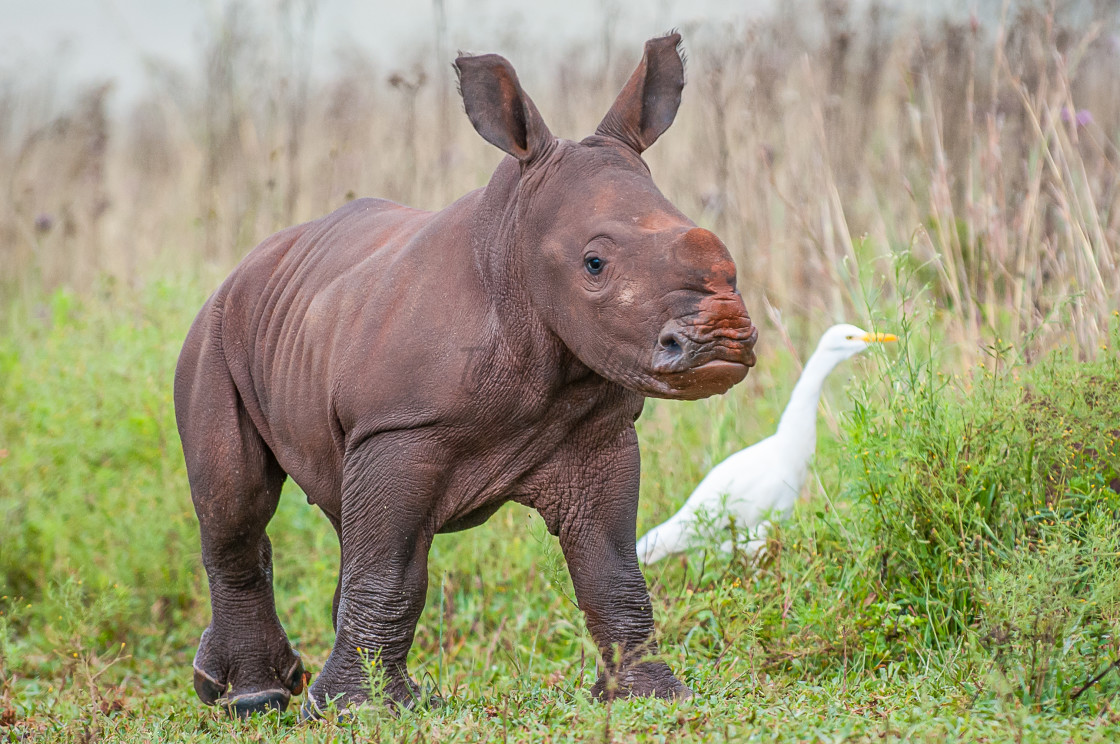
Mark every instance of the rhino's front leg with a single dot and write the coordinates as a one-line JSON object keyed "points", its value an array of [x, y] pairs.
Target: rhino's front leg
{"points": [[596, 524], [389, 486]]}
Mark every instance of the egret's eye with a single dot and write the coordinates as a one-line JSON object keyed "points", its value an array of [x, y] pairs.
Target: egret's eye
{"points": [[849, 337], [594, 265]]}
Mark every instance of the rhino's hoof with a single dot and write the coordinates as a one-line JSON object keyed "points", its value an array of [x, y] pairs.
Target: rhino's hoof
{"points": [[212, 691], [310, 711], [683, 692], [647, 679], [297, 678], [407, 695], [435, 702], [264, 701], [207, 687]]}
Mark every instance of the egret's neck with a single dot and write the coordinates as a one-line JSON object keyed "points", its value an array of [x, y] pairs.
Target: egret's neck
{"points": [[798, 426]]}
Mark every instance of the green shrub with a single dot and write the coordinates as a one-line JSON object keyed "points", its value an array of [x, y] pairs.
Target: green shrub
{"points": [[989, 500]]}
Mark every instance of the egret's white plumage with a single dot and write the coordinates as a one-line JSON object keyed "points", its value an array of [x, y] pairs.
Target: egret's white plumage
{"points": [[764, 480]]}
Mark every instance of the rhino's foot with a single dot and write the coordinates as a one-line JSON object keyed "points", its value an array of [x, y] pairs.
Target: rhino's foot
{"points": [[401, 693], [244, 680], [647, 679]]}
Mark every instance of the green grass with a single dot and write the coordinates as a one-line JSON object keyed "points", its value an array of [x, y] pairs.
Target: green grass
{"points": [[953, 575]]}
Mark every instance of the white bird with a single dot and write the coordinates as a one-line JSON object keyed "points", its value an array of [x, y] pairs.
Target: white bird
{"points": [[764, 480]]}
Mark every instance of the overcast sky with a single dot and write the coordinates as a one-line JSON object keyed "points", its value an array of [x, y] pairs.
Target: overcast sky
{"points": [[79, 41]]}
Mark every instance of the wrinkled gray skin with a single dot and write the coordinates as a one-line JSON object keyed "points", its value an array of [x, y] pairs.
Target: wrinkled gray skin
{"points": [[412, 371]]}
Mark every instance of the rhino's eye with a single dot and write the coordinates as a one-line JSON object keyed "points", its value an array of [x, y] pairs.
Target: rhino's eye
{"points": [[594, 265]]}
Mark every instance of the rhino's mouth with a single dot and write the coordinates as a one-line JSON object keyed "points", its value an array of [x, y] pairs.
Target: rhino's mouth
{"points": [[693, 361], [681, 348], [671, 357], [714, 377]]}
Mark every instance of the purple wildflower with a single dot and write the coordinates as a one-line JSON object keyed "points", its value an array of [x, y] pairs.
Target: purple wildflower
{"points": [[44, 222], [1082, 117]]}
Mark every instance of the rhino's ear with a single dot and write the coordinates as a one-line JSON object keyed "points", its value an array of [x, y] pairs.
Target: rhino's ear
{"points": [[499, 110], [648, 103]]}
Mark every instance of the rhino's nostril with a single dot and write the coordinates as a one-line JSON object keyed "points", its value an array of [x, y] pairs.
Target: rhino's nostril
{"points": [[670, 343]]}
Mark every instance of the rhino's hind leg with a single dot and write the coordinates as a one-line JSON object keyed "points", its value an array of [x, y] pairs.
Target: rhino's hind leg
{"points": [[244, 661]]}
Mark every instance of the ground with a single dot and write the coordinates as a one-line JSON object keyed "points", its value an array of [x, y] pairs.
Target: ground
{"points": [[825, 639]]}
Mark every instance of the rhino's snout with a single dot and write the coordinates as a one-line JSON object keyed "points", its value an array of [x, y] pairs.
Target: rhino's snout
{"points": [[721, 331], [707, 351], [678, 351]]}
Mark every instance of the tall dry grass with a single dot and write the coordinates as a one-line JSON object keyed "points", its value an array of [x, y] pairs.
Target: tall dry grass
{"points": [[830, 147]]}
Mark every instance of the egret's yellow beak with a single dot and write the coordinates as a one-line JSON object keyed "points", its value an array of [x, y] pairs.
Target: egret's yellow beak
{"points": [[878, 338]]}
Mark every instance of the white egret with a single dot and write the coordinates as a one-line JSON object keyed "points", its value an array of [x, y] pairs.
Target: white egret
{"points": [[764, 480]]}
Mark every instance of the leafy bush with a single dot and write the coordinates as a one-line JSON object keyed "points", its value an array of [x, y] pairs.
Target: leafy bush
{"points": [[990, 502]]}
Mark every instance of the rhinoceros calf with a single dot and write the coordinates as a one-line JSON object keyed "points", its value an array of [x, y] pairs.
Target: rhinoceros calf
{"points": [[412, 371]]}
